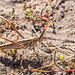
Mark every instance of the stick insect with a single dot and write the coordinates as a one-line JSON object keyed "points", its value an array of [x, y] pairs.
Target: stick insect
{"points": [[24, 43]]}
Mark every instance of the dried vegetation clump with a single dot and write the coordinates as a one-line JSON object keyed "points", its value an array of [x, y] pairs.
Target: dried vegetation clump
{"points": [[37, 37]]}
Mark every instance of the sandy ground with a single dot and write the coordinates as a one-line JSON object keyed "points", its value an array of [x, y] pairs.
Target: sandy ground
{"points": [[62, 34]]}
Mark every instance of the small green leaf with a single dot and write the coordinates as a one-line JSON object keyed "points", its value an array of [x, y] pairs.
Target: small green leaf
{"points": [[66, 68], [63, 62], [15, 50], [50, 1], [30, 13], [11, 51], [13, 10], [73, 65], [37, 18], [47, 11], [24, 6]]}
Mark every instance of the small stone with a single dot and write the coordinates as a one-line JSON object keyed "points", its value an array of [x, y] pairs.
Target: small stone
{"points": [[62, 6], [62, 12], [60, 28], [62, 16], [66, 10]]}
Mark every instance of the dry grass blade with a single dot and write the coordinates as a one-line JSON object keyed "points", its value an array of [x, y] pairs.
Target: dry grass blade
{"points": [[1, 53], [11, 31], [8, 23], [58, 49]]}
